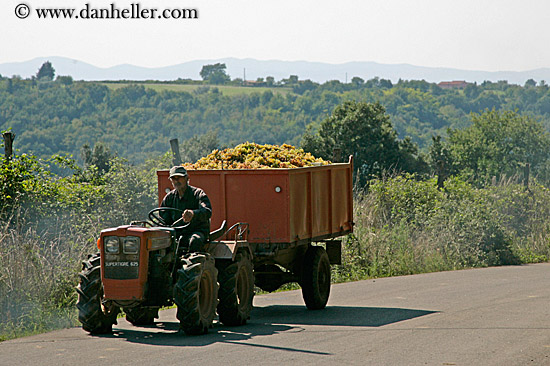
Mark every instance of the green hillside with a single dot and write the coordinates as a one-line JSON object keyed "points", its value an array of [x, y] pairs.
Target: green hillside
{"points": [[136, 120]]}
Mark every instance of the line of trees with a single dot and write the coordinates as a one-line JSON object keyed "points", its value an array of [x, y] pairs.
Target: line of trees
{"points": [[137, 122]]}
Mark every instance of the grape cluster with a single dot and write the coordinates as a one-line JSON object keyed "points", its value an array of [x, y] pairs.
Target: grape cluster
{"points": [[254, 156]]}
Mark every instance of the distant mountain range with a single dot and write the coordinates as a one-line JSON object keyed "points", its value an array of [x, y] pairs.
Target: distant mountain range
{"points": [[252, 69]]}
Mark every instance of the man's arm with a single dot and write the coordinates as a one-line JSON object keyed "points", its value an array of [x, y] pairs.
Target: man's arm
{"points": [[204, 212]]}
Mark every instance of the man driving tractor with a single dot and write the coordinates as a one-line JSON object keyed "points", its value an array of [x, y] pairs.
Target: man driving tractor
{"points": [[193, 208]]}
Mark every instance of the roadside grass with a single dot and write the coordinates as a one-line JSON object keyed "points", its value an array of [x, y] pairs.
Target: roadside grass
{"points": [[38, 275]]}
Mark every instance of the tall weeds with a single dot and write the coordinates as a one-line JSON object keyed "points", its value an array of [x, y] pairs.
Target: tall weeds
{"points": [[39, 267]]}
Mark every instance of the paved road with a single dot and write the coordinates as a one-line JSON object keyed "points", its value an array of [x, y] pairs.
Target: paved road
{"points": [[493, 316]]}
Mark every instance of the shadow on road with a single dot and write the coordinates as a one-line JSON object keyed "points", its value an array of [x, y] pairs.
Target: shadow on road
{"points": [[167, 334], [354, 316], [265, 321]]}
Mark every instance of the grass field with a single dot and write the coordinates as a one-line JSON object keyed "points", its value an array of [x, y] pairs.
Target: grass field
{"points": [[224, 89]]}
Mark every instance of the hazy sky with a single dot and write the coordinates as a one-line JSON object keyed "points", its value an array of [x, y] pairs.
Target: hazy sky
{"points": [[487, 35]]}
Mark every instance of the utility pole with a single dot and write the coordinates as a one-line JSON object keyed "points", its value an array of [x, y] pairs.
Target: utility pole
{"points": [[8, 144], [176, 157]]}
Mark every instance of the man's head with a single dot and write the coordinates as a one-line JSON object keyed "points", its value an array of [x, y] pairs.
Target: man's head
{"points": [[178, 171], [179, 178]]}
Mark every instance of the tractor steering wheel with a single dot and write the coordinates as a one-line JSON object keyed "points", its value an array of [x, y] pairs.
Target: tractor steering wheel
{"points": [[157, 219]]}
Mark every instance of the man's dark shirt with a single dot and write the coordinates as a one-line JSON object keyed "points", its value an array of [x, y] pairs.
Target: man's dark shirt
{"points": [[193, 199]]}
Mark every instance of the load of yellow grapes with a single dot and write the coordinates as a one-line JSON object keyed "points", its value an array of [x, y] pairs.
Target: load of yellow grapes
{"points": [[254, 156]]}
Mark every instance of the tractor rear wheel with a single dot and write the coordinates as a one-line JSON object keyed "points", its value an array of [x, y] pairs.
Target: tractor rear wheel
{"points": [[236, 290], [96, 315], [196, 293], [141, 315], [316, 278]]}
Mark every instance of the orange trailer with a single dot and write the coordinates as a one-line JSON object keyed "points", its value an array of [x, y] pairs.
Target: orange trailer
{"points": [[281, 206]]}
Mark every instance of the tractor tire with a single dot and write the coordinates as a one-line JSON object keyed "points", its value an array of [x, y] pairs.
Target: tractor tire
{"points": [[316, 278], [96, 315], [236, 290], [141, 315], [196, 293]]}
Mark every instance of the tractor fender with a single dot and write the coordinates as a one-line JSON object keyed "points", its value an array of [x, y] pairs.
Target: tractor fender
{"points": [[228, 249]]}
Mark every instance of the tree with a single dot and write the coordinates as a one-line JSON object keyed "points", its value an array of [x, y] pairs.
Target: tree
{"points": [[357, 81], [365, 131], [270, 80], [9, 86], [46, 72], [386, 83], [199, 146], [440, 160], [292, 79], [472, 91], [65, 80], [303, 86], [100, 157], [215, 74], [530, 83], [499, 144]]}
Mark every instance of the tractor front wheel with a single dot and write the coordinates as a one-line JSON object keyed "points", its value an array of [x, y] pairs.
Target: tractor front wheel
{"points": [[236, 290], [95, 313], [196, 293]]}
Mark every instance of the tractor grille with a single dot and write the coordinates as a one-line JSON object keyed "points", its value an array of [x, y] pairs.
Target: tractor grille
{"points": [[122, 263], [122, 269]]}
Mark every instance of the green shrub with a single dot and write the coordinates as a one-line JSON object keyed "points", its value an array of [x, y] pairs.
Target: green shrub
{"points": [[406, 226]]}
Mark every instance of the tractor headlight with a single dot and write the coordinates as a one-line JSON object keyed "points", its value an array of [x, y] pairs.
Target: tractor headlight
{"points": [[111, 245], [130, 245]]}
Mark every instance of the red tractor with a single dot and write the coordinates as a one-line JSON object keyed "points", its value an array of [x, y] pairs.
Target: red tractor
{"points": [[277, 216]]}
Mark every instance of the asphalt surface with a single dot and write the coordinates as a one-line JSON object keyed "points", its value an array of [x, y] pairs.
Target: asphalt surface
{"points": [[492, 316]]}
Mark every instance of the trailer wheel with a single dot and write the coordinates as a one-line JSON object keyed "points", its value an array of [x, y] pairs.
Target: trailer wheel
{"points": [[316, 278], [96, 315], [196, 293], [141, 315], [236, 290]]}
